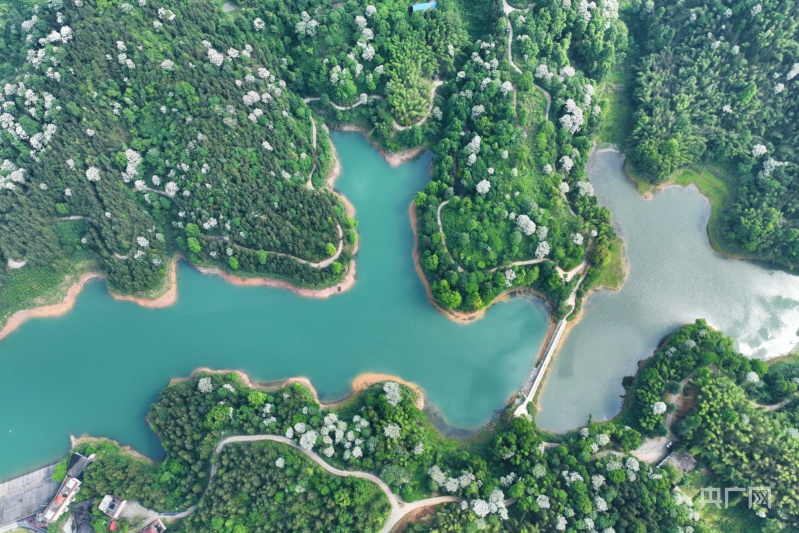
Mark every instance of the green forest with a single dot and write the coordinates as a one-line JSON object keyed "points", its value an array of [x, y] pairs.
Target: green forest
{"points": [[713, 87], [510, 477], [134, 131]]}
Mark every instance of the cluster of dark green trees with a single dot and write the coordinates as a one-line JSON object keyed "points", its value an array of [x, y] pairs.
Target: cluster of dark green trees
{"points": [[356, 48], [170, 128], [298, 496], [715, 81]]}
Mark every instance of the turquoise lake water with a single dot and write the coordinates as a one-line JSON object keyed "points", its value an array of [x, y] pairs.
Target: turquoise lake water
{"points": [[97, 369]]}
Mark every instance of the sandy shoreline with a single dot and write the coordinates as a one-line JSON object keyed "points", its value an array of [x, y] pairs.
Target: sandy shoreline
{"points": [[170, 295], [335, 172], [59, 309], [344, 285], [359, 383]]}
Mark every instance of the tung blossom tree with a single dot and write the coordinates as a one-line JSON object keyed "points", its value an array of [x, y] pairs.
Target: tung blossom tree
{"points": [[205, 386], [759, 150], [392, 431], [542, 250], [93, 174], [393, 393], [525, 224]]}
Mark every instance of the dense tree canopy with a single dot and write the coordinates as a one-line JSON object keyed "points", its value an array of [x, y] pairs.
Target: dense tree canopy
{"points": [[131, 130], [716, 83]]}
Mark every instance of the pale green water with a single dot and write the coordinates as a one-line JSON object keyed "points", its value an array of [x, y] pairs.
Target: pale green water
{"points": [[97, 369], [675, 277]]}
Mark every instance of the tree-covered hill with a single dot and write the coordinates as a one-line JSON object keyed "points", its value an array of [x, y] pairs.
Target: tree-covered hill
{"points": [[160, 125], [716, 83], [131, 130], [509, 182]]}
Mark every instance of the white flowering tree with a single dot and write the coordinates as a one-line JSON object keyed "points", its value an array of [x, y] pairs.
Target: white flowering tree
{"points": [[658, 408], [393, 393], [392, 431], [525, 224]]}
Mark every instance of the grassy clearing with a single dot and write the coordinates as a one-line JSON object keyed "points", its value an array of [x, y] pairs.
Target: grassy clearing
{"points": [[617, 122], [612, 276], [707, 180], [716, 190]]}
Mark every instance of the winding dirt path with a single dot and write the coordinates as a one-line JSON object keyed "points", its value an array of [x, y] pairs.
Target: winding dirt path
{"points": [[566, 275], [399, 508], [320, 265], [343, 108], [444, 235], [313, 143]]}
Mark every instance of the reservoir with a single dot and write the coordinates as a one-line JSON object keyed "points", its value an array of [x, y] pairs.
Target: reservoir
{"points": [[674, 278], [97, 369]]}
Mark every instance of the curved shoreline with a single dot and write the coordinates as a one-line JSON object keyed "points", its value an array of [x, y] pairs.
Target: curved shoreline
{"points": [[169, 296], [394, 159], [359, 383], [61, 308], [460, 316], [717, 246]]}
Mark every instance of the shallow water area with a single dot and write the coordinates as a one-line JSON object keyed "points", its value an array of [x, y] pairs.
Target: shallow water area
{"points": [[674, 278], [97, 369]]}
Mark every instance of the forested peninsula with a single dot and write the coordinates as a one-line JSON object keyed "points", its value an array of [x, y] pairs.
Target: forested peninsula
{"points": [[135, 131], [713, 90], [240, 457]]}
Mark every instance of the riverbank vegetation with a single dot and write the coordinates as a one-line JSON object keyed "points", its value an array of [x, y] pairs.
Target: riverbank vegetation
{"points": [[711, 402], [135, 130], [506, 479], [715, 86], [508, 198]]}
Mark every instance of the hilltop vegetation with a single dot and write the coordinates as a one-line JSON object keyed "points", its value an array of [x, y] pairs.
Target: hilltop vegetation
{"points": [[513, 179], [134, 130], [715, 84]]}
